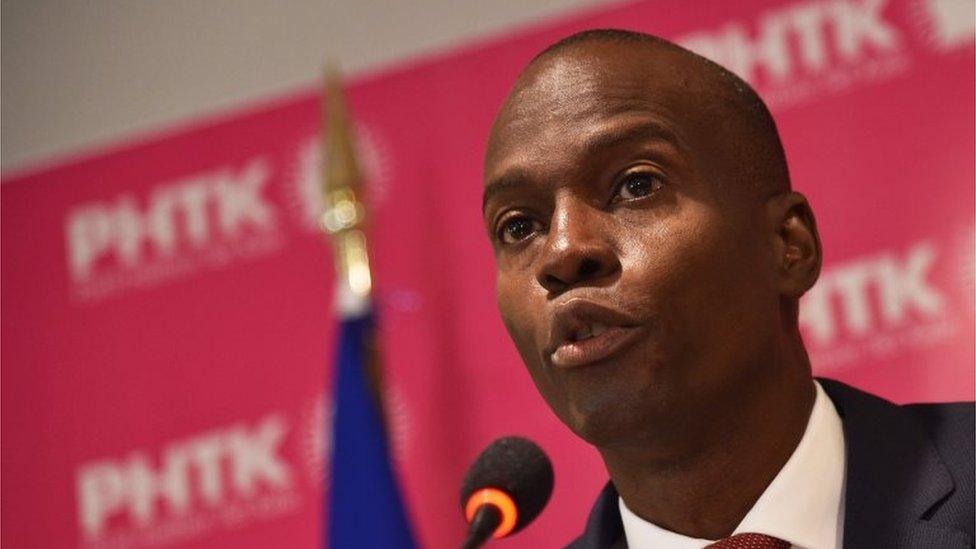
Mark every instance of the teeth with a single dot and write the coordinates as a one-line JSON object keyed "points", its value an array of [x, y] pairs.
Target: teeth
{"points": [[590, 330]]}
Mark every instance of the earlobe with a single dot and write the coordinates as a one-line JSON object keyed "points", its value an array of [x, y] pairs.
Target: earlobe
{"points": [[798, 251]]}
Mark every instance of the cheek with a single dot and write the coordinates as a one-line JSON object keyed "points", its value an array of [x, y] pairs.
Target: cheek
{"points": [[706, 282], [518, 313], [522, 303], [669, 261], [674, 263]]}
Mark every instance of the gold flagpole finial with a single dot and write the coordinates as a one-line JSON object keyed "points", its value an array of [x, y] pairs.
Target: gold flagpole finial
{"points": [[344, 215]]}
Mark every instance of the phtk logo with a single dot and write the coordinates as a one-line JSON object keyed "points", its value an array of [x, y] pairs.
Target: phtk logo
{"points": [[145, 236]]}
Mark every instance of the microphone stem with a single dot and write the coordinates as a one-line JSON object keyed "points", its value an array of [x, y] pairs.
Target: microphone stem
{"points": [[486, 520]]}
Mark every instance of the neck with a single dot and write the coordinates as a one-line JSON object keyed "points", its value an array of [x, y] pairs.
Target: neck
{"points": [[705, 490]]}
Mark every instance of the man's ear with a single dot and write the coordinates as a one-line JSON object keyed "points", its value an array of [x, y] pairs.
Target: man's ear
{"points": [[796, 244]]}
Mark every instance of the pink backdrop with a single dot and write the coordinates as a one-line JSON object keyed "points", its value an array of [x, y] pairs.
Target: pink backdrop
{"points": [[167, 320]]}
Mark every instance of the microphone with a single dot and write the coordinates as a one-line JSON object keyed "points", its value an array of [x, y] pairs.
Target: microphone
{"points": [[505, 489]]}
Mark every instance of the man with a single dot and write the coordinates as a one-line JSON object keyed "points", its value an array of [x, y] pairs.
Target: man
{"points": [[650, 257]]}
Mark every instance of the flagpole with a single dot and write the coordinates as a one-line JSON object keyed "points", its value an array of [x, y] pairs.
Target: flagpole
{"points": [[344, 217], [366, 509], [344, 221]]}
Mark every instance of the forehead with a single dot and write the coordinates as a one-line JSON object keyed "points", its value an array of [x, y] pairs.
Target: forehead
{"points": [[574, 94]]}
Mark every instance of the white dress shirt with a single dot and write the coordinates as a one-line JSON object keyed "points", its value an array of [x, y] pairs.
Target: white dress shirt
{"points": [[803, 505]]}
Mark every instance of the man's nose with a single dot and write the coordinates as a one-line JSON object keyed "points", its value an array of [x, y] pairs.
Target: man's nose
{"points": [[578, 248]]}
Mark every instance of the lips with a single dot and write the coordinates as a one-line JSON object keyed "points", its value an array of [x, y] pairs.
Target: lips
{"points": [[584, 332]]}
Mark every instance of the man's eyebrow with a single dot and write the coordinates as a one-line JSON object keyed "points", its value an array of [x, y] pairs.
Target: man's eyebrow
{"points": [[646, 129], [511, 179], [643, 130]]}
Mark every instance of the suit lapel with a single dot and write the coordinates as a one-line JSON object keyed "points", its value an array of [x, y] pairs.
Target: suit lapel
{"points": [[894, 475], [604, 528]]}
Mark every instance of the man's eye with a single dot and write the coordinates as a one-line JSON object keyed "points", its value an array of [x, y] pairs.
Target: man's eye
{"points": [[637, 185], [516, 229]]}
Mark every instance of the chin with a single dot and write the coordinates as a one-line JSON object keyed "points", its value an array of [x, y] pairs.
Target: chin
{"points": [[611, 419], [621, 401], [605, 432]]}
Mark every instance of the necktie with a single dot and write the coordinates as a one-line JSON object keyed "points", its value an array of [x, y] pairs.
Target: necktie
{"points": [[750, 541]]}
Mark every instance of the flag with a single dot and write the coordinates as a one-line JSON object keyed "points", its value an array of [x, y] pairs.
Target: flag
{"points": [[365, 508]]}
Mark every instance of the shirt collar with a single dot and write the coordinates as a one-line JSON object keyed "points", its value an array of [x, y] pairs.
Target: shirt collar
{"points": [[802, 505]]}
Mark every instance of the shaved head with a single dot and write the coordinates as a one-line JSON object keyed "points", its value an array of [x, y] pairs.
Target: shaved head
{"points": [[737, 110]]}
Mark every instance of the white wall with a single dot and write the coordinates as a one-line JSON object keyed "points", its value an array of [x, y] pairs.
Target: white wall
{"points": [[77, 75]]}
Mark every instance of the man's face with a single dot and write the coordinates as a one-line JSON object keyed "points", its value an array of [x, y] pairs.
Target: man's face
{"points": [[634, 268]]}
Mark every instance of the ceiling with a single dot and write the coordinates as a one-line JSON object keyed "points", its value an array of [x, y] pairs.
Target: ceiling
{"points": [[77, 76]]}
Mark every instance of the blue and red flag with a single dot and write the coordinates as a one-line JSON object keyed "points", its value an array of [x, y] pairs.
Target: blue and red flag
{"points": [[366, 509]]}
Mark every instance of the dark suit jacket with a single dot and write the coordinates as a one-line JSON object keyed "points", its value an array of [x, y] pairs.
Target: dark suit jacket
{"points": [[910, 480]]}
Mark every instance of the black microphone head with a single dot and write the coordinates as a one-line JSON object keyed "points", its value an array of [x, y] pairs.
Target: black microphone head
{"points": [[518, 467]]}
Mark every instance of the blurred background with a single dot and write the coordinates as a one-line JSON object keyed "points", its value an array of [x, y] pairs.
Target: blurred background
{"points": [[169, 334], [82, 75]]}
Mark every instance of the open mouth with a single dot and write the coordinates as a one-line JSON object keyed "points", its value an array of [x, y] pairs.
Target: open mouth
{"points": [[585, 332], [588, 331], [592, 343]]}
